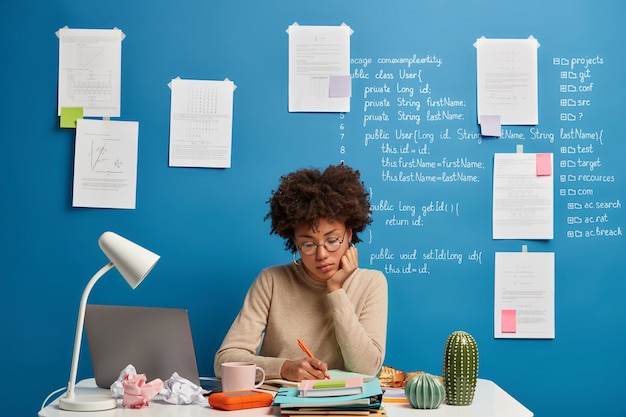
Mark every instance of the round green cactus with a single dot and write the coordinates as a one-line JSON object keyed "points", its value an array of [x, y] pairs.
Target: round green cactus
{"points": [[424, 391], [460, 368]]}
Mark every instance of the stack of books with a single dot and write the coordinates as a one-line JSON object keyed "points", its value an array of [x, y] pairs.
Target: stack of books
{"points": [[394, 395], [337, 397]]}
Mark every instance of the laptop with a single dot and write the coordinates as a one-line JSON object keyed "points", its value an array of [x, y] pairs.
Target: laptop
{"points": [[156, 341]]}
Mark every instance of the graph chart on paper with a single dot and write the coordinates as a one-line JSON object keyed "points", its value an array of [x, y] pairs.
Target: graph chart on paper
{"points": [[91, 88], [106, 156]]}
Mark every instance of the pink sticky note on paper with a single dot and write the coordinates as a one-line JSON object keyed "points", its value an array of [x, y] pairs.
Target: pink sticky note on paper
{"points": [[544, 164], [340, 86], [509, 321], [490, 126]]}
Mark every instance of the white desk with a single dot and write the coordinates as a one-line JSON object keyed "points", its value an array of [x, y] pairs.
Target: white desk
{"points": [[489, 401]]}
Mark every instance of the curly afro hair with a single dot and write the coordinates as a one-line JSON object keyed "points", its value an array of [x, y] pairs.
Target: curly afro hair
{"points": [[308, 195]]}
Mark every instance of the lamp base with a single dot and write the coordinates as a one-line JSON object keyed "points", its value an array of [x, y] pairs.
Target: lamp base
{"points": [[88, 402]]}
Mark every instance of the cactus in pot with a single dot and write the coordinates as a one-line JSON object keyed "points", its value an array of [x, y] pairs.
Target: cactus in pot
{"points": [[460, 368]]}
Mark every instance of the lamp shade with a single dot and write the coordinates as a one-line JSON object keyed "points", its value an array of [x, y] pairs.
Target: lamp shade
{"points": [[131, 260]]}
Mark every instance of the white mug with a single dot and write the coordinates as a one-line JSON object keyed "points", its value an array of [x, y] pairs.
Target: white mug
{"points": [[239, 376]]}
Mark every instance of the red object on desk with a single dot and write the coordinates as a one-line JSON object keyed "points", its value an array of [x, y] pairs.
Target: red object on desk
{"points": [[239, 400]]}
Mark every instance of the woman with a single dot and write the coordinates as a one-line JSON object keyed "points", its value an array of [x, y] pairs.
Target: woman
{"points": [[338, 309]]}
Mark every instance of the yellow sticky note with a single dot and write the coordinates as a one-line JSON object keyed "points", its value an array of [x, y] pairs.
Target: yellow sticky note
{"points": [[69, 115]]}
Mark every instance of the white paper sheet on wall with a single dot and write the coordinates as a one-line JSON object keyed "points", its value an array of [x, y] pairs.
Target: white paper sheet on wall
{"points": [[201, 122], [523, 196], [90, 62], [507, 80], [524, 295], [319, 68], [105, 164]]}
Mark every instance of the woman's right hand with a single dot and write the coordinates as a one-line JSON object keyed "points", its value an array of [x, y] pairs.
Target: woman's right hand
{"points": [[349, 264], [307, 368]]}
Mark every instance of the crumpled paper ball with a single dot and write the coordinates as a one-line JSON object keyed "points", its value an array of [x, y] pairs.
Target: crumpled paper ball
{"points": [[178, 390], [138, 392], [175, 390], [117, 389]]}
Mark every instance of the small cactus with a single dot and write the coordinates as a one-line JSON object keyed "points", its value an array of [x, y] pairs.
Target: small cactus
{"points": [[460, 368], [424, 391]]}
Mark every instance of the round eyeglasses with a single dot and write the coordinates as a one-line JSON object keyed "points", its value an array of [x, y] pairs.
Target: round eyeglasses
{"points": [[331, 244]]}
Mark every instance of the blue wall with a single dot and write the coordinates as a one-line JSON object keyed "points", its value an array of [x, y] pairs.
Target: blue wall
{"points": [[207, 224]]}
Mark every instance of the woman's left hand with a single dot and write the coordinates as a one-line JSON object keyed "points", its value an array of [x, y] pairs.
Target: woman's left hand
{"points": [[349, 264]]}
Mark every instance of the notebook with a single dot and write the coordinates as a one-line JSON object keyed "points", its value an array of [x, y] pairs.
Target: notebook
{"points": [[156, 341]]}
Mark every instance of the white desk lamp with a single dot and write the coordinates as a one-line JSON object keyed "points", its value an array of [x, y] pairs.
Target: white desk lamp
{"points": [[134, 263]]}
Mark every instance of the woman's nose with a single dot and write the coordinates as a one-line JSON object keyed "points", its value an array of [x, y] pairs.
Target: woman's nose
{"points": [[321, 252]]}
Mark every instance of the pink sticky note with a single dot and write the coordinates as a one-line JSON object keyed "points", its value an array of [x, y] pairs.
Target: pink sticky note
{"points": [[509, 321], [544, 164], [490, 126], [340, 86]]}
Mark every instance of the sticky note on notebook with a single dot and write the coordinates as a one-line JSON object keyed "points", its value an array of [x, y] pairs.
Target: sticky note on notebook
{"points": [[330, 387], [329, 384]]}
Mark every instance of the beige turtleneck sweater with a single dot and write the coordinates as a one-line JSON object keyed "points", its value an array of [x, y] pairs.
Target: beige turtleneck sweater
{"points": [[347, 328]]}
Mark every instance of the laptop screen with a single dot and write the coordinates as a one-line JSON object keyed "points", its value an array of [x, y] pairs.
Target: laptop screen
{"points": [[156, 341]]}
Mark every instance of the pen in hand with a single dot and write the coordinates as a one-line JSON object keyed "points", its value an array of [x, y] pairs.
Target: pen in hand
{"points": [[306, 350]]}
